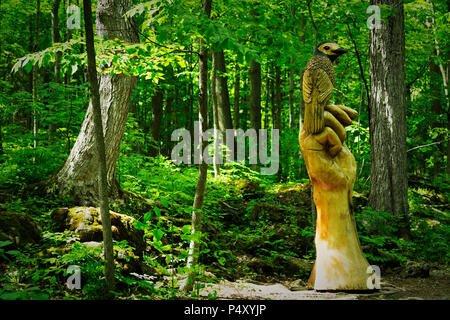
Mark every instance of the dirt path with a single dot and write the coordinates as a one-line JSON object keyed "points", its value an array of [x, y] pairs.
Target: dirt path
{"points": [[435, 287]]}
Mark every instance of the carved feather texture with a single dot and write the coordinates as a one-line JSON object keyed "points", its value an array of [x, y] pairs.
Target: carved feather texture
{"points": [[318, 83]]}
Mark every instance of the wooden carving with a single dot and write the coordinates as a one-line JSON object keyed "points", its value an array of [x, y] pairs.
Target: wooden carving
{"points": [[340, 263]]}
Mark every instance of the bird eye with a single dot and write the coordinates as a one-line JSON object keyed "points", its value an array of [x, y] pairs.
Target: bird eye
{"points": [[326, 47]]}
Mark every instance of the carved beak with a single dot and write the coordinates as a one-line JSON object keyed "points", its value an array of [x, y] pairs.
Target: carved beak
{"points": [[340, 51]]}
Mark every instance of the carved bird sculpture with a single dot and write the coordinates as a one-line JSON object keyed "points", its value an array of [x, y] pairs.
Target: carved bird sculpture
{"points": [[318, 83]]}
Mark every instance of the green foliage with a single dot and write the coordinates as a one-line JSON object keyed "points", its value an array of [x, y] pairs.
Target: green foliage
{"points": [[273, 33], [381, 244], [7, 255], [377, 233]]}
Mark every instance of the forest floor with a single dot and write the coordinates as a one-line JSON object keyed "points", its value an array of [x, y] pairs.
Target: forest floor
{"points": [[259, 244], [434, 287]]}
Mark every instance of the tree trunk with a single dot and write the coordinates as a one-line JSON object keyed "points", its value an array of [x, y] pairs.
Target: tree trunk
{"points": [[267, 106], [237, 88], [291, 95], [255, 94], [35, 76], [222, 97], [277, 113], [215, 115], [56, 38], [78, 175], [157, 112], [388, 171], [436, 108], [100, 145], [203, 166], [222, 94]]}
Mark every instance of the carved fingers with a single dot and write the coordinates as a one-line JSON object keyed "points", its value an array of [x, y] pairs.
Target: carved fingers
{"points": [[329, 138], [332, 137], [333, 123], [339, 114], [337, 117], [335, 109]]}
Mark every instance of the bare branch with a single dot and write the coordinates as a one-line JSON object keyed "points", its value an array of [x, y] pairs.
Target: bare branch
{"points": [[426, 145]]}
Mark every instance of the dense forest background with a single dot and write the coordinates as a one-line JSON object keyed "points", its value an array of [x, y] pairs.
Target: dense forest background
{"points": [[151, 58]]}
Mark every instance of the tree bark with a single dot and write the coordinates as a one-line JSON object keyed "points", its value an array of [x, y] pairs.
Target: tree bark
{"points": [[100, 145], [291, 95], [35, 76], [56, 38], [222, 94], [78, 175], [436, 108], [237, 87], [277, 113], [255, 94], [268, 99], [388, 171], [157, 113], [203, 166], [222, 99], [215, 116]]}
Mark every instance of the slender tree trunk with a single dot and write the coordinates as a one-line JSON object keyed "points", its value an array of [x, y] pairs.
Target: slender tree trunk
{"points": [[255, 94], [223, 109], [203, 166], [35, 76], [78, 175], [169, 123], [388, 172], [244, 115], [100, 144], [277, 114], [444, 73], [31, 48], [157, 113], [268, 99], [237, 87], [222, 94], [254, 77], [215, 116], [56, 38], [436, 108], [291, 95]]}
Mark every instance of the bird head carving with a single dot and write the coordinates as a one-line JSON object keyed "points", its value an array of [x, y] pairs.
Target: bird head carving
{"points": [[329, 49]]}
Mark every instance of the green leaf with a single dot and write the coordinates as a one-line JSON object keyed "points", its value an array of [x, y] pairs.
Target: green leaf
{"points": [[187, 228], [157, 234], [164, 203], [28, 66], [139, 225], [13, 252], [157, 211], [5, 243], [147, 216]]}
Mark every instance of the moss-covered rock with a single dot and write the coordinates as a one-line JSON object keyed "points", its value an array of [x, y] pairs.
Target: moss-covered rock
{"points": [[19, 228], [296, 195], [87, 223], [248, 189]]}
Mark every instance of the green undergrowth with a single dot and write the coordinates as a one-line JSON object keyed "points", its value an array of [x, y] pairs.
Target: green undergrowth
{"points": [[253, 227]]}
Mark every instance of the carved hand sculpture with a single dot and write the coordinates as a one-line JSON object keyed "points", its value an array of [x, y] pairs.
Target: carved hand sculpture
{"points": [[340, 264]]}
